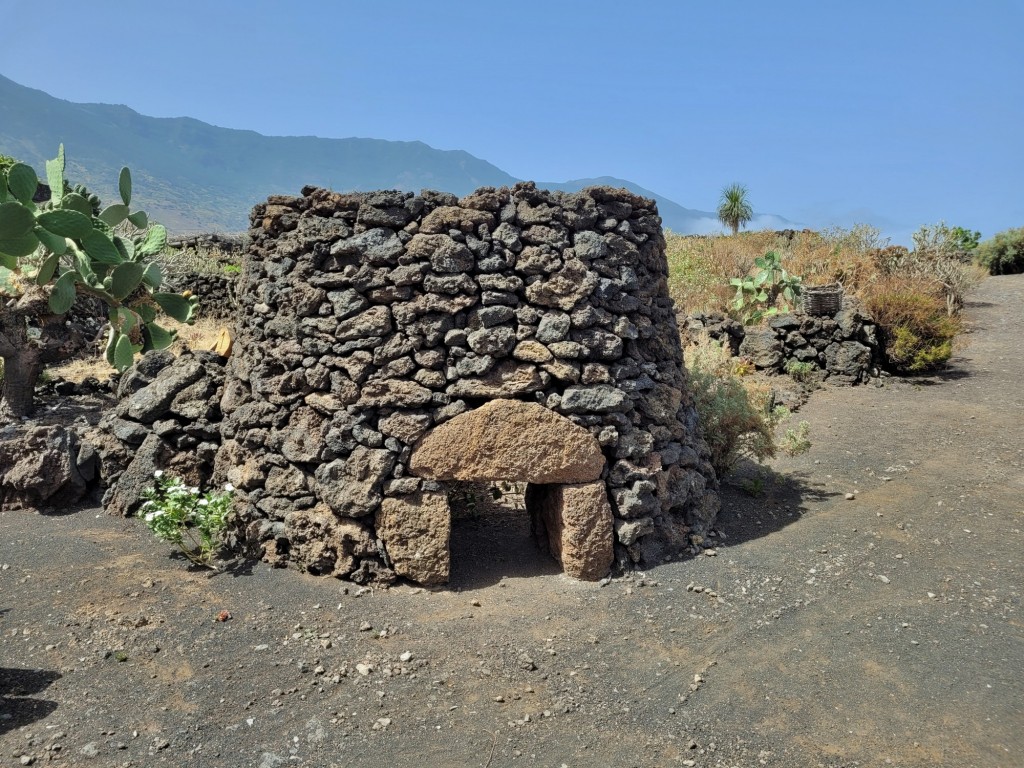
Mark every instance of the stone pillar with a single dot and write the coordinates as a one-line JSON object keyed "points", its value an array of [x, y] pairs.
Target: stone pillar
{"points": [[416, 530], [578, 520]]}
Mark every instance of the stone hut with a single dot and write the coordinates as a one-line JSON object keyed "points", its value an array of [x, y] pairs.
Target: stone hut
{"points": [[391, 344]]}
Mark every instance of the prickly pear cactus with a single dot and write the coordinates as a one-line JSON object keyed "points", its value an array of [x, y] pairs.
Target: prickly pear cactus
{"points": [[72, 245]]}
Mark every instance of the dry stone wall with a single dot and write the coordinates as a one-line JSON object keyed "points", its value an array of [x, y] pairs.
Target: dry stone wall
{"points": [[369, 320], [843, 348]]}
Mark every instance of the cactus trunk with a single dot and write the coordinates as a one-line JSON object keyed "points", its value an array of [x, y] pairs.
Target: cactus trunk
{"points": [[21, 371], [23, 363], [25, 358]]}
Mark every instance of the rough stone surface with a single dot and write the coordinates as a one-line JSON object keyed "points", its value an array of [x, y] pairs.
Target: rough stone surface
{"points": [[416, 530], [846, 361], [509, 440], [352, 487], [762, 347], [370, 324], [843, 348], [41, 467], [578, 521], [601, 398], [322, 543], [565, 288], [507, 380], [168, 418], [154, 400], [123, 497]]}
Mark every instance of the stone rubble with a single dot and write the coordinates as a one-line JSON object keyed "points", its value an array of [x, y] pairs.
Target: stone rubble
{"points": [[44, 466], [167, 418]]}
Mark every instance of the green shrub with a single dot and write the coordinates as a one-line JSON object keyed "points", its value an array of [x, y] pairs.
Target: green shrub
{"points": [[908, 350], [796, 441], [917, 331], [800, 371], [965, 239], [767, 292], [1003, 254], [182, 516]]}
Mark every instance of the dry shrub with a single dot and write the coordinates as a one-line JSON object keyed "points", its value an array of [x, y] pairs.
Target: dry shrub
{"points": [[203, 334], [736, 416], [836, 255], [956, 276], [700, 266], [180, 264], [699, 269], [911, 312], [92, 367]]}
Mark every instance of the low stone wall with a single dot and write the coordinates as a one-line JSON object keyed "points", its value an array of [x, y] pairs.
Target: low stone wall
{"points": [[843, 348], [208, 265], [369, 320], [216, 294], [233, 245]]}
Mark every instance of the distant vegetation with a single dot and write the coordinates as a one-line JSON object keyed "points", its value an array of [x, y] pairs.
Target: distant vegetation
{"points": [[914, 295], [1004, 253], [734, 209]]}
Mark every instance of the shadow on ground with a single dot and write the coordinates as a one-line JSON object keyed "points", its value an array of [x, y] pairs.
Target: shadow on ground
{"points": [[492, 540], [941, 377], [16, 685], [757, 502]]}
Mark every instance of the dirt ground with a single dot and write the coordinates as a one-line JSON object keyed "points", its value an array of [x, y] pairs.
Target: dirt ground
{"points": [[821, 631]]}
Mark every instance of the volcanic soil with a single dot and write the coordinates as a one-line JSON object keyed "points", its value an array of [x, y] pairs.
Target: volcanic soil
{"points": [[820, 630]]}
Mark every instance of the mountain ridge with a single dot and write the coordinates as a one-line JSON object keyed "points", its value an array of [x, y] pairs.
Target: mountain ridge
{"points": [[197, 177]]}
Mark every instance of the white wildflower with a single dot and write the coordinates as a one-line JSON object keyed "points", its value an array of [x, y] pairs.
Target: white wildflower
{"points": [[203, 502], [229, 487], [149, 517], [194, 491], [159, 473]]}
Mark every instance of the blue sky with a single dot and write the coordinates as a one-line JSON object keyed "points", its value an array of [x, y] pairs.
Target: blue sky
{"points": [[896, 113]]}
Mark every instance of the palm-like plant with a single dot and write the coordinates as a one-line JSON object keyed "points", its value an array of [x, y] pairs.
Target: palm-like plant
{"points": [[734, 209]]}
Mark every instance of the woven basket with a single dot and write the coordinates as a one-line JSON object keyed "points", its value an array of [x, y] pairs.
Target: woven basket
{"points": [[823, 299]]}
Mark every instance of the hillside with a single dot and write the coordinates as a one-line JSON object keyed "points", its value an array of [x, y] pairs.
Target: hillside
{"points": [[196, 177]]}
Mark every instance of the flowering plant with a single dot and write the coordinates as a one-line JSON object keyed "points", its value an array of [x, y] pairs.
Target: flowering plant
{"points": [[181, 515]]}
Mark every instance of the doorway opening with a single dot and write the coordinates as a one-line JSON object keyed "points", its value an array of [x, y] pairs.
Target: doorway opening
{"points": [[494, 535]]}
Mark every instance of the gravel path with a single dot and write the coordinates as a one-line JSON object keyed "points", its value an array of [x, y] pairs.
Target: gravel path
{"points": [[880, 630]]}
